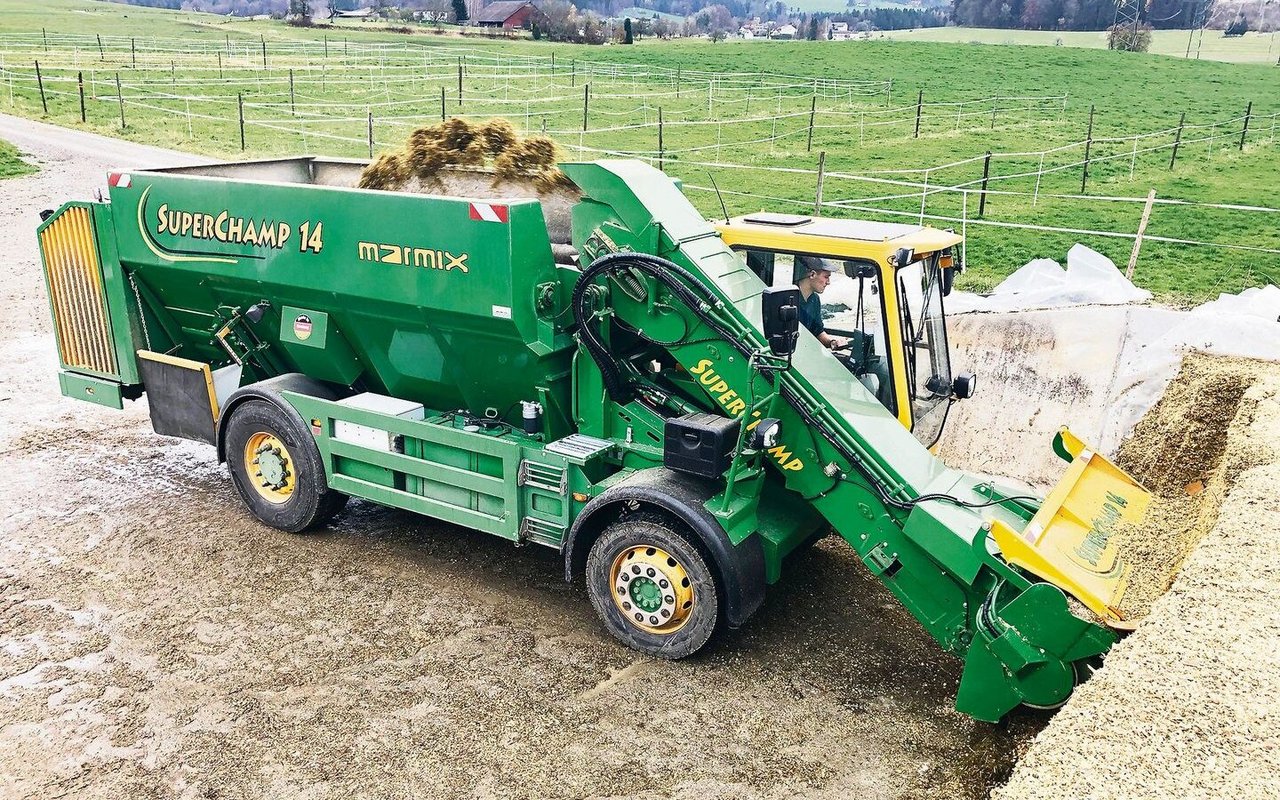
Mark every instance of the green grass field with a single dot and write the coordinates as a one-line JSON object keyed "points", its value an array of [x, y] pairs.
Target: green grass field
{"points": [[758, 123], [1211, 45], [11, 163]]}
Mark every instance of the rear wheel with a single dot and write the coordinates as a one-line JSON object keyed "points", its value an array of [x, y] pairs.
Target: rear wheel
{"points": [[653, 588], [276, 468]]}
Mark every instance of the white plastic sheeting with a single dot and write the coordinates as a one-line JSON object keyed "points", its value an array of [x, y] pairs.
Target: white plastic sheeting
{"points": [[1095, 369], [1089, 278]]}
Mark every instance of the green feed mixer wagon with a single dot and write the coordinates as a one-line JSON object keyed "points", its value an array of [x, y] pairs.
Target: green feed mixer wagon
{"points": [[593, 370]]}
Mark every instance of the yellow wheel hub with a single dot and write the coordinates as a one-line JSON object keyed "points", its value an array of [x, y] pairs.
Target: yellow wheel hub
{"points": [[651, 589], [270, 467]]}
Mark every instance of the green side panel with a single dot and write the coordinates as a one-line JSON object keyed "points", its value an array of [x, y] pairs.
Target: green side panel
{"points": [[316, 347], [94, 390], [500, 482], [434, 304]]}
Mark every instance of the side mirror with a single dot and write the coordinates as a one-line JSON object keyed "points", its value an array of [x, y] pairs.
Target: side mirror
{"points": [[903, 257], [948, 278], [859, 269], [965, 384], [780, 312]]}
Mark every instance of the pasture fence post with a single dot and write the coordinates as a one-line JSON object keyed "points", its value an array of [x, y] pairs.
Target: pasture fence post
{"points": [[1248, 113], [80, 86], [370, 133], [442, 104], [1035, 196], [326, 47], [40, 82], [293, 109], [1142, 229], [919, 104], [120, 99], [995, 106], [102, 56], [45, 33], [133, 51], [219, 65], [982, 194], [924, 194], [822, 177], [459, 81], [586, 100], [264, 52], [173, 73], [661, 166], [813, 109], [1177, 139], [240, 104], [1088, 145]]}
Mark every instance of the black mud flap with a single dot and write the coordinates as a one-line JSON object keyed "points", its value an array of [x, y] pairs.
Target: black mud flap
{"points": [[180, 396]]}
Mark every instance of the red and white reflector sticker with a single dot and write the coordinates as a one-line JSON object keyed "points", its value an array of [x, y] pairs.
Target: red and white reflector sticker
{"points": [[487, 212], [119, 179]]}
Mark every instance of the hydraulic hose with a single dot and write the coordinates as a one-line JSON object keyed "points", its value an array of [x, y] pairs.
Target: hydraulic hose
{"points": [[665, 272]]}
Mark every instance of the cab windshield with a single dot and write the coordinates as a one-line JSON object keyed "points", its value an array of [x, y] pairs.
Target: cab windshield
{"points": [[924, 334], [854, 291]]}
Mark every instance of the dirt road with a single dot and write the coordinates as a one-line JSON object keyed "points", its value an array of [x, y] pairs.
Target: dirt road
{"points": [[157, 642]]}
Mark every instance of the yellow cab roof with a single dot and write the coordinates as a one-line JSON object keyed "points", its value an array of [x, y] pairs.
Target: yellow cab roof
{"points": [[848, 237]]}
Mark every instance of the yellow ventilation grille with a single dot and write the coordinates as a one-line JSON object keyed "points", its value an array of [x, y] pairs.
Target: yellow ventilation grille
{"points": [[74, 275]]}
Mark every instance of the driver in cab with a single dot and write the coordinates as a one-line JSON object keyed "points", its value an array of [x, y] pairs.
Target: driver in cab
{"points": [[813, 276]]}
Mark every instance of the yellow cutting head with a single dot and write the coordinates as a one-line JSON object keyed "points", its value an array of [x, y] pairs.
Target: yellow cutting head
{"points": [[1071, 542]]}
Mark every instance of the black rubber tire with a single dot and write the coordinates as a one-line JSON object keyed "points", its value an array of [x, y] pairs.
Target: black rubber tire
{"points": [[312, 502], [657, 531]]}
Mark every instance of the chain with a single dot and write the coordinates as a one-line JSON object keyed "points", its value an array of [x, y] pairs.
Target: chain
{"points": [[142, 315]]}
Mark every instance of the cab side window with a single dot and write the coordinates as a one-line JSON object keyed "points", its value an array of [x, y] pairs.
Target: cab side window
{"points": [[774, 268]]}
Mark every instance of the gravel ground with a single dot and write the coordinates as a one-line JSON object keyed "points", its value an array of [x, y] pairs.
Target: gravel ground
{"points": [[1189, 704], [157, 642]]}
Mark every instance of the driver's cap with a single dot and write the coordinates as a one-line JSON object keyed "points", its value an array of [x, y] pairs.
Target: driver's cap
{"points": [[816, 263]]}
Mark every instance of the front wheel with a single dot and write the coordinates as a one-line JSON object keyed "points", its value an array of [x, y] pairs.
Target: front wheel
{"points": [[276, 468], [652, 587]]}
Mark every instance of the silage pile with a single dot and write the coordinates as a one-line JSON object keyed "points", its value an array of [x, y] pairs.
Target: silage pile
{"points": [[494, 144], [1179, 452], [1189, 704]]}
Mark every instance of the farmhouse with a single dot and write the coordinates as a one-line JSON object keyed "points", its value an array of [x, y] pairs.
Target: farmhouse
{"points": [[839, 31], [508, 14], [785, 32], [358, 13]]}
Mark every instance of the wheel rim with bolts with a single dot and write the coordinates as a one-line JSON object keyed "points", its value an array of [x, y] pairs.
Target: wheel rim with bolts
{"points": [[651, 589], [269, 467]]}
